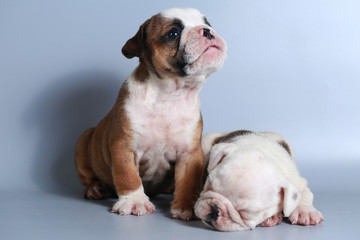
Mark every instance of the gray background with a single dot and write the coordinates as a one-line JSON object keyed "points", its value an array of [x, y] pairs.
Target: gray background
{"points": [[293, 67]]}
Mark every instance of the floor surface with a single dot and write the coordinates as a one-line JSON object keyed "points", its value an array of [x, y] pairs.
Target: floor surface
{"points": [[40, 215]]}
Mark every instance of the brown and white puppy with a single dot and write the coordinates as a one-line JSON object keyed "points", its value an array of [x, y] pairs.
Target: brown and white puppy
{"points": [[151, 139], [252, 179]]}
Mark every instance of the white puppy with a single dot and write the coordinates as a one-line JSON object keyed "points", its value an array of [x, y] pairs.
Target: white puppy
{"points": [[252, 180]]}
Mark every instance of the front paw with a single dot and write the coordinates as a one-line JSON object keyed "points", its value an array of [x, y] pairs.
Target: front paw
{"points": [[182, 209], [183, 214], [306, 215], [136, 204]]}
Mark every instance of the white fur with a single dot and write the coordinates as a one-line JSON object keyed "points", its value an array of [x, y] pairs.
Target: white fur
{"points": [[164, 119], [189, 16], [136, 203], [257, 177]]}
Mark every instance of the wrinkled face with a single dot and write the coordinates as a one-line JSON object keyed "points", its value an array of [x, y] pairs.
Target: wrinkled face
{"points": [[241, 191], [177, 43]]}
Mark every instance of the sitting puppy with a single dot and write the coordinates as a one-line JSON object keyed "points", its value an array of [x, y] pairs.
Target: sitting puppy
{"points": [[150, 140], [252, 179]]}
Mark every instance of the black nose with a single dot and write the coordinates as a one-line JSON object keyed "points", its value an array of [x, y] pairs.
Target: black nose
{"points": [[207, 33], [214, 214]]}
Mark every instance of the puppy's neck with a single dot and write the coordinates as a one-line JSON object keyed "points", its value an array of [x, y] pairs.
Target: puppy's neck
{"points": [[178, 84], [174, 86]]}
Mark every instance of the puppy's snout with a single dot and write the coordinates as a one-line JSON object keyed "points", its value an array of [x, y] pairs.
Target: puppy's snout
{"points": [[214, 214], [206, 33]]}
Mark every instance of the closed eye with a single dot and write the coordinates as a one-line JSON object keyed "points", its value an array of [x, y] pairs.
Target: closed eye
{"points": [[221, 159]]}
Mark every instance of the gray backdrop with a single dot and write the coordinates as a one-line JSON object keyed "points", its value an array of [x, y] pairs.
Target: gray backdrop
{"points": [[293, 67]]}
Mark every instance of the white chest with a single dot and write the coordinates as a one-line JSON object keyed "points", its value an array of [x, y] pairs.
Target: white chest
{"points": [[163, 127]]}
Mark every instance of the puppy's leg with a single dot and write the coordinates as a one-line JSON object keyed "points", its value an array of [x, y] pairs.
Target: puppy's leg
{"points": [[188, 172], [132, 199], [82, 162], [95, 189], [306, 213]]}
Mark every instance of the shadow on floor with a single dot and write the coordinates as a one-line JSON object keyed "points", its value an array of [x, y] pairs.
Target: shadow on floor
{"points": [[58, 116]]}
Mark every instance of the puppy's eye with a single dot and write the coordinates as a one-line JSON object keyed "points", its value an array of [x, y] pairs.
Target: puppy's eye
{"points": [[173, 34]]}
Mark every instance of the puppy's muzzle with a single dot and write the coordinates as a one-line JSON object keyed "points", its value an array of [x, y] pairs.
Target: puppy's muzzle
{"points": [[213, 215]]}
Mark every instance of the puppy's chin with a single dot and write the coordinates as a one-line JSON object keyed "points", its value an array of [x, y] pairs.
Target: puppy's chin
{"points": [[207, 63], [218, 212]]}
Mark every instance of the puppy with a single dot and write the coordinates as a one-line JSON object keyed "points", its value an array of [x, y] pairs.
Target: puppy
{"points": [[151, 139], [252, 179]]}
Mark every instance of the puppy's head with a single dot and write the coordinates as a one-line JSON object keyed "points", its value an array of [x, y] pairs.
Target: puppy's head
{"points": [[176, 43], [243, 189]]}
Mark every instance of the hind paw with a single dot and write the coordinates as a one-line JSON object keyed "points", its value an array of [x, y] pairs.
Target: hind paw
{"points": [[306, 215], [98, 190]]}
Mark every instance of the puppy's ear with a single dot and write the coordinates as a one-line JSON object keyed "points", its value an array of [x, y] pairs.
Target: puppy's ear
{"points": [[218, 153], [208, 140], [134, 47], [291, 197], [280, 140]]}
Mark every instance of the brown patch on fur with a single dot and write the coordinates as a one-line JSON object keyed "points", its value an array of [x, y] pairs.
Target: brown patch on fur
{"points": [[134, 47], [230, 136], [159, 55], [124, 170], [286, 146], [141, 73], [188, 174], [82, 163], [104, 153]]}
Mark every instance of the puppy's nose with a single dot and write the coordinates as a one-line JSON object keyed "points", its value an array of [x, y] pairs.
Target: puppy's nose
{"points": [[214, 214], [206, 33]]}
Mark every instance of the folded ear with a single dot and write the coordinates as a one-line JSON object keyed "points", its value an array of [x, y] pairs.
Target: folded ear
{"points": [[207, 141], [134, 46], [218, 153], [280, 140], [291, 197]]}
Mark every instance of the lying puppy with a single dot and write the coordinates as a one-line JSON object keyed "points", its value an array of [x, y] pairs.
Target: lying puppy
{"points": [[151, 137], [252, 179]]}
